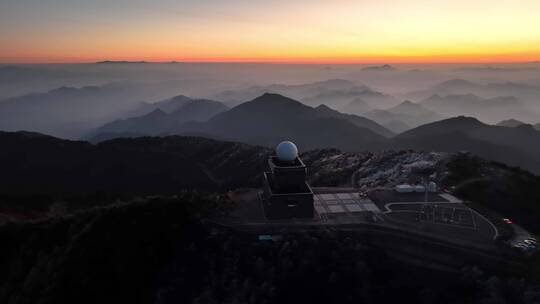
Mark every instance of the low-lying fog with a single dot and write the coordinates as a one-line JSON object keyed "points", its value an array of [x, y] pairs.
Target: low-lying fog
{"points": [[69, 100]]}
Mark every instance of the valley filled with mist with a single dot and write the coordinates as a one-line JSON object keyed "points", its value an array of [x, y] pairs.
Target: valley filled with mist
{"points": [[492, 110]]}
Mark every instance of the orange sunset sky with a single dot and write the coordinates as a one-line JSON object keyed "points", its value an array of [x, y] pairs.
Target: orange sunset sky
{"points": [[340, 31]]}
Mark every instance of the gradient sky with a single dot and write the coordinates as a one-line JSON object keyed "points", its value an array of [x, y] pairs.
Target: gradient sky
{"points": [[364, 31]]}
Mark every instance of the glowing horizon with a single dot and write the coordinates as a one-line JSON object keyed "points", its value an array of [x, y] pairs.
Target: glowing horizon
{"points": [[320, 32]]}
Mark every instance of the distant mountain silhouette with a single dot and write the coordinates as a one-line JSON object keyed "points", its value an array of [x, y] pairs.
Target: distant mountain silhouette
{"points": [[455, 124], [408, 108], [65, 111], [159, 121], [359, 121], [17, 80], [357, 106], [537, 126], [299, 91], [527, 94], [166, 105], [271, 118], [342, 98], [512, 123], [457, 85], [517, 146], [385, 67], [491, 109], [375, 99], [153, 123], [119, 62], [333, 97], [404, 116], [172, 104], [333, 92]]}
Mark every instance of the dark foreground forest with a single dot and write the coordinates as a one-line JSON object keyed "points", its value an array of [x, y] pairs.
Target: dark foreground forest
{"points": [[136, 229], [160, 251]]}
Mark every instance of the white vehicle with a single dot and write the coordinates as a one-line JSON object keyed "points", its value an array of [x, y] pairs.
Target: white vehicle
{"points": [[529, 247], [405, 188], [530, 242], [520, 247]]}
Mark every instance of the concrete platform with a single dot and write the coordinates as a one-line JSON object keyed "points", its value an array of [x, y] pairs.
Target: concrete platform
{"points": [[341, 206], [344, 208], [441, 214], [398, 231]]}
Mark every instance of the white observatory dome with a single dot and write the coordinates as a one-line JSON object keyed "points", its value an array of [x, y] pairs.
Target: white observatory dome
{"points": [[286, 151]]}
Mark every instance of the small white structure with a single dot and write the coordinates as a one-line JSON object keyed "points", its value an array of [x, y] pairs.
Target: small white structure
{"points": [[432, 187], [405, 188], [419, 188], [287, 151]]}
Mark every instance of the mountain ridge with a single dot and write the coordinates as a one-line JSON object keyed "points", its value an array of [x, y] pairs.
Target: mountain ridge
{"points": [[514, 146], [271, 118], [166, 116]]}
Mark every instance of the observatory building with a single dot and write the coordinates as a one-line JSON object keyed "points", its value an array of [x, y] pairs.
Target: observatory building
{"points": [[286, 193]]}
